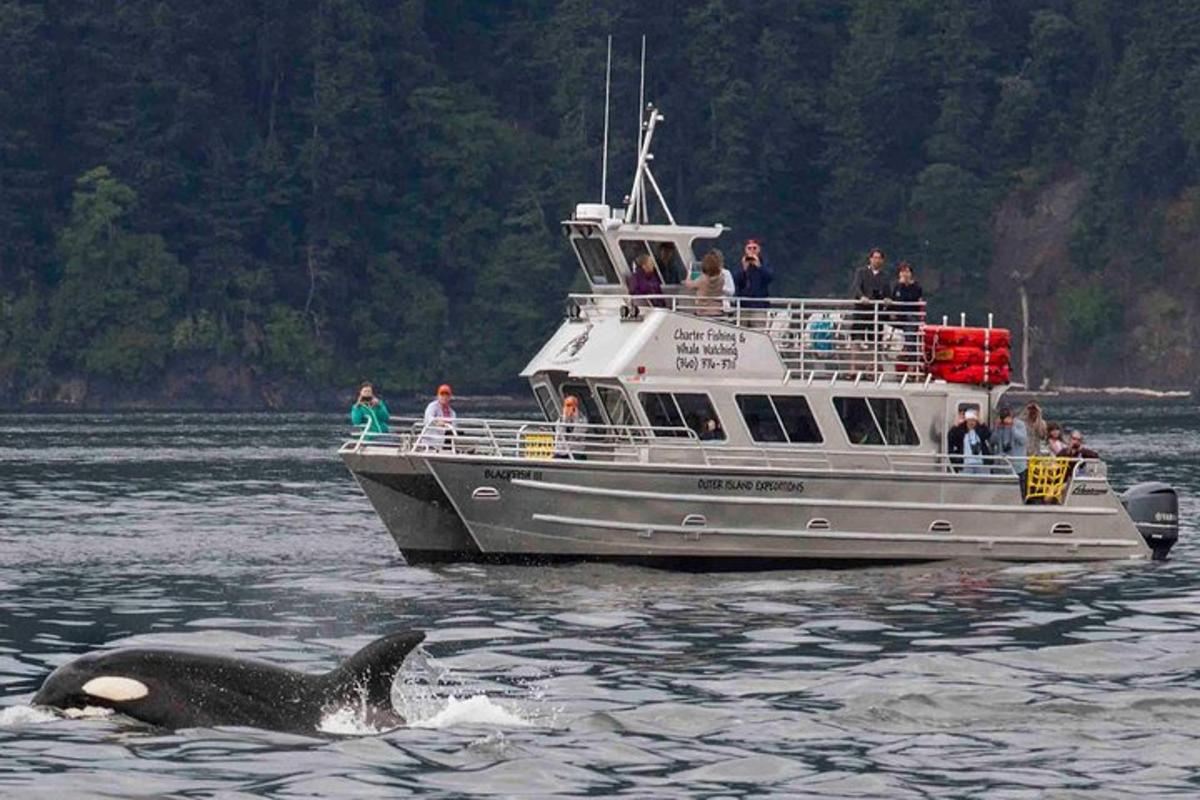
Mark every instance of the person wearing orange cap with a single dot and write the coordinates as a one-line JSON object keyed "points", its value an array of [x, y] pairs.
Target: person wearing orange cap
{"points": [[439, 419]]}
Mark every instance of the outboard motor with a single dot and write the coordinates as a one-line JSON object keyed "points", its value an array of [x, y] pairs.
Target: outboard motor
{"points": [[1154, 508]]}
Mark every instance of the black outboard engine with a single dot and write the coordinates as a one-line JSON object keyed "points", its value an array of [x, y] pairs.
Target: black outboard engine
{"points": [[1154, 508]]}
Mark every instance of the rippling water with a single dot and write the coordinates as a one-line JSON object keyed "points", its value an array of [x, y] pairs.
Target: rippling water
{"points": [[244, 534]]}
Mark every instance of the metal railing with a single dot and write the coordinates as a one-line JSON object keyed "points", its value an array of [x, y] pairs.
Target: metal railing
{"points": [[817, 337], [602, 444], [402, 433]]}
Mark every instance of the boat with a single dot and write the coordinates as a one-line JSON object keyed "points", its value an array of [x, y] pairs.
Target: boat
{"points": [[749, 433]]}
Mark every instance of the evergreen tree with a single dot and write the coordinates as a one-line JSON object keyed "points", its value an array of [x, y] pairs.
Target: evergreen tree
{"points": [[110, 315]]}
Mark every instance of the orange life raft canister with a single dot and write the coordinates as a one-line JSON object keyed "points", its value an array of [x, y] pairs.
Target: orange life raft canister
{"points": [[968, 355]]}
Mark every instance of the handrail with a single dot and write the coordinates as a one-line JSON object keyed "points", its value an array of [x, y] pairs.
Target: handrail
{"points": [[813, 336], [614, 444]]}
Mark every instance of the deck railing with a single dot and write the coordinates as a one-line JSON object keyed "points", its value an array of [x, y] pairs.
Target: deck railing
{"points": [[638, 444], [812, 336]]}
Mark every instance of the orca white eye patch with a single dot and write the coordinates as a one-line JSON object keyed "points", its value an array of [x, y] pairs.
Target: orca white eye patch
{"points": [[115, 688]]}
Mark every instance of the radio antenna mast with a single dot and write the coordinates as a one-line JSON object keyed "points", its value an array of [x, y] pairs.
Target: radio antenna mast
{"points": [[642, 111], [604, 160]]}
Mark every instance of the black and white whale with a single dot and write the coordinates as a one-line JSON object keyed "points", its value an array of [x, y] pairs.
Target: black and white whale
{"points": [[185, 689]]}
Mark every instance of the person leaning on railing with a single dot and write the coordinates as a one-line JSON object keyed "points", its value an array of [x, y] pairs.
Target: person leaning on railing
{"points": [[710, 285], [369, 410], [644, 280], [870, 288], [439, 420], [908, 311]]}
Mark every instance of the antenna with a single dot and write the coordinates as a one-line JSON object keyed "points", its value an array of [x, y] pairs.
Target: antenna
{"points": [[642, 110], [604, 162]]}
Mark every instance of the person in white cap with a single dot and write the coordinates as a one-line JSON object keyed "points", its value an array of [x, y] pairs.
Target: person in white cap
{"points": [[967, 444]]}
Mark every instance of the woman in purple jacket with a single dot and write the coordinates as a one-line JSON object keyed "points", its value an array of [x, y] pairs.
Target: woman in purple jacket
{"points": [[644, 280]]}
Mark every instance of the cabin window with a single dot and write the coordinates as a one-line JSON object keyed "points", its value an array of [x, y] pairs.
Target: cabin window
{"points": [[797, 418], [894, 421], [666, 257], [876, 421], [546, 401], [587, 403], [858, 420], [760, 418], [697, 410], [779, 418], [594, 257], [661, 411], [682, 410], [615, 406]]}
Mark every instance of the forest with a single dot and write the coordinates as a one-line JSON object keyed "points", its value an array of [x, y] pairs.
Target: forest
{"points": [[261, 203]]}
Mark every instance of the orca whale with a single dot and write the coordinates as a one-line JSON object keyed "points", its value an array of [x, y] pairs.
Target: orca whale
{"points": [[185, 689]]}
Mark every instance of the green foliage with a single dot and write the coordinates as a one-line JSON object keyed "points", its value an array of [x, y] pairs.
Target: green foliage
{"points": [[334, 190], [950, 213], [1092, 315], [111, 313], [289, 345]]}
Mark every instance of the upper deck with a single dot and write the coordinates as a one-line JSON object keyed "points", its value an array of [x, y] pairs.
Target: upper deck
{"points": [[811, 338]]}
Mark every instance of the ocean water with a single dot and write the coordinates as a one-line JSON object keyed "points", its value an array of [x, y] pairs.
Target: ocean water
{"points": [[243, 534]]}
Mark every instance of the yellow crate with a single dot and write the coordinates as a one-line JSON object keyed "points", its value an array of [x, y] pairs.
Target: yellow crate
{"points": [[1047, 478], [538, 446]]}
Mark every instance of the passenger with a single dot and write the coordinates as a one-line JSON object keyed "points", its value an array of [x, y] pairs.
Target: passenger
{"points": [[570, 431], [439, 420], [710, 285], [1009, 440], [669, 264], [710, 431], [752, 284], [1076, 449], [369, 410], [908, 312], [1037, 441], [967, 444], [644, 280], [1054, 440], [871, 289]]}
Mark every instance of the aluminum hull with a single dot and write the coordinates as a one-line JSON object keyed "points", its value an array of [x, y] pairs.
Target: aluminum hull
{"points": [[644, 512], [412, 505]]}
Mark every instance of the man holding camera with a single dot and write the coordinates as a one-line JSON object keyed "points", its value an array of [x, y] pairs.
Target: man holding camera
{"points": [[370, 410], [752, 284]]}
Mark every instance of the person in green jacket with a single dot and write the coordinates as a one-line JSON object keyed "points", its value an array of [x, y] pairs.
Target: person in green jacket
{"points": [[370, 410]]}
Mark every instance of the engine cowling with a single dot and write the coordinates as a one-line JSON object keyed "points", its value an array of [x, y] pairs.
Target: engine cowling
{"points": [[1154, 508]]}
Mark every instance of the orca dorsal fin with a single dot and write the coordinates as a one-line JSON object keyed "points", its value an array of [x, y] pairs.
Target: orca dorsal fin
{"points": [[373, 668]]}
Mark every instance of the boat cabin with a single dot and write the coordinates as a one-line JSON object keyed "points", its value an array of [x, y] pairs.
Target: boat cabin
{"points": [[825, 374]]}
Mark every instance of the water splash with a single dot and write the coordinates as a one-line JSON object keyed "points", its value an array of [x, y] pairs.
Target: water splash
{"points": [[429, 695], [479, 710], [15, 716], [349, 721]]}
